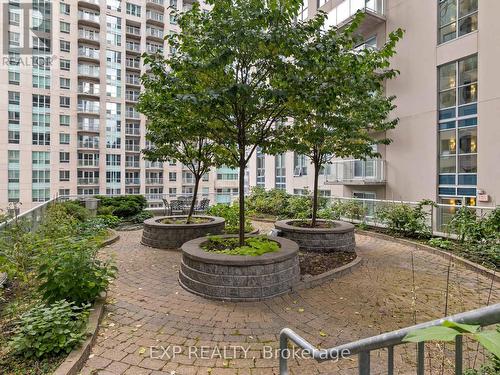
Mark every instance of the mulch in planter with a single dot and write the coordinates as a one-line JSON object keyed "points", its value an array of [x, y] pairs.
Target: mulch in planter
{"points": [[316, 263], [307, 224]]}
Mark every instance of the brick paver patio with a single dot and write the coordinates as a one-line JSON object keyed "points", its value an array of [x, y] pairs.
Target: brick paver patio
{"points": [[147, 309]]}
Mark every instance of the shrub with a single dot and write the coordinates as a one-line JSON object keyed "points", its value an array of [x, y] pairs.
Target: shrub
{"points": [[48, 330], [298, 207], [254, 246], [271, 202], [231, 215], [74, 209], [71, 270], [441, 243], [141, 216], [110, 221], [123, 206], [406, 220], [466, 225]]}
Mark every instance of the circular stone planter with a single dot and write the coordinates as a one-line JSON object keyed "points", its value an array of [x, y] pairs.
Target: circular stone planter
{"points": [[172, 236], [238, 277], [338, 238]]}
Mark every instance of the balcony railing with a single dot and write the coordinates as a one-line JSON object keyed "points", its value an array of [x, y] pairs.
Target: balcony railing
{"points": [[156, 2], [88, 127], [133, 97], [90, 145], [133, 63], [345, 11], [132, 114], [133, 80], [154, 196], [357, 172], [88, 89], [88, 107], [88, 181], [155, 33], [132, 131], [133, 47], [154, 164], [132, 164], [154, 181], [132, 181], [88, 163], [133, 30], [154, 16], [133, 148], [86, 16], [88, 34], [89, 71], [89, 53]]}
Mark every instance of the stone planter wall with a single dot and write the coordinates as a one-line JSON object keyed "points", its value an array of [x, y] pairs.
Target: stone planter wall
{"points": [[236, 277], [172, 236], [338, 238]]}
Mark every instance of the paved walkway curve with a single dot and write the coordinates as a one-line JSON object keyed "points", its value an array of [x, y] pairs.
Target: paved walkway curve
{"points": [[148, 309]]}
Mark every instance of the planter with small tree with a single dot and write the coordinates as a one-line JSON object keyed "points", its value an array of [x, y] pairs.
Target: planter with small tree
{"points": [[339, 111]]}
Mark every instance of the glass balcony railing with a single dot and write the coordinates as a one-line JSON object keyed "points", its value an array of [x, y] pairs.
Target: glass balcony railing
{"points": [[88, 34], [154, 16], [88, 163], [133, 47], [88, 52], [132, 131], [88, 181], [357, 172], [132, 96], [88, 16], [132, 147], [133, 80], [132, 181], [88, 107], [133, 63], [94, 145], [133, 30], [343, 12], [86, 127], [88, 70], [88, 88], [154, 164], [132, 164], [132, 114], [154, 181]]}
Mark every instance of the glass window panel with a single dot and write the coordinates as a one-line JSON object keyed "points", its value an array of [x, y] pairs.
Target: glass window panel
{"points": [[447, 191], [467, 122], [447, 179], [447, 76], [447, 125], [467, 164], [467, 94], [446, 114], [447, 142], [466, 191], [448, 32], [447, 164], [448, 98], [467, 140], [447, 12], [467, 70], [467, 25], [466, 7], [467, 110], [467, 179]]}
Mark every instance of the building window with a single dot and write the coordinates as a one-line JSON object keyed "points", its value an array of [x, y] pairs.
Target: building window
{"points": [[457, 126], [64, 83], [41, 195], [172, 176], [64, 157], [63, 192], [65, 64], [41, 138], [64, 101], [14, 77], [64, 120], [280, 172], [64, 27], [14, 137], [63, 175], [13, 176], [456, 18], [64, 9], [64, 46], [299, 165], [64, 138], [14, 98], [133, 10], [304, 10]]}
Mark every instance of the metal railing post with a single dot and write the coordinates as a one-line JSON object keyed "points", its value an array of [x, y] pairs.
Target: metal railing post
{"points": [[283, 358]]}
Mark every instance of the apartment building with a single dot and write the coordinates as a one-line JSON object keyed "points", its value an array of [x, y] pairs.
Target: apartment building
{"points": [[69, 80], [447, 144]]}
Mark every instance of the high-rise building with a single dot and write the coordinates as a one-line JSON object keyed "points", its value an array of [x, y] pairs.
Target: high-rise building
{"points": [[67, 96], [446, 146]]}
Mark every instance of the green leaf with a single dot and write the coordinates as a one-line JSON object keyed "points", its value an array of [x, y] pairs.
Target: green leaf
{"points": [[463, 328], [490, 340], [438, 333]]}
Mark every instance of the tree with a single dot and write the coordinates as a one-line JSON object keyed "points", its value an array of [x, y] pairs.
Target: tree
{"points": [[339, 106], [237, 56], [176, 125]]}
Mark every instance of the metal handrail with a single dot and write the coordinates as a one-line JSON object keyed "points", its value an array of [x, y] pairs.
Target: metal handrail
{"points": [[484, 316]]}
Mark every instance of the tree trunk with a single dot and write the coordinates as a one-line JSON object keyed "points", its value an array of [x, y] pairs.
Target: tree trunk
{"points": [[241, 191], [315, 193], [193, 200]]}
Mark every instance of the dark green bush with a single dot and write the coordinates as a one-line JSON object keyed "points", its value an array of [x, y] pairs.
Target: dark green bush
{"points": [[48, 330], [231, 215], [123, 206], [141, 216], [75, 209], [71, 270]]}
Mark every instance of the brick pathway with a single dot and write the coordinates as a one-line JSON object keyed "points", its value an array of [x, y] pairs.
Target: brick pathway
{"points": [[148, 309]]}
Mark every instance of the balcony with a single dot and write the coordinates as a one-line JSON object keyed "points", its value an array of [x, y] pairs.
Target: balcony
{"points": [[88, 128], [154, 164], [133, 64], [133, 114], [91, 71], [88, 181], [160, 4], [132, 164], [152, 16], [132, 96], [88, 53], [132, 131], [88, 145], [154, 181], [88, 163], [94, 4], [133, 80], [132, 181], [343, 14], [154, 48], [87, 88], [133, 47], [89, 18], [357, 172], [134, 31], [154, 197], [88, 107], [88, 35], [132, 148], [154, 33]]}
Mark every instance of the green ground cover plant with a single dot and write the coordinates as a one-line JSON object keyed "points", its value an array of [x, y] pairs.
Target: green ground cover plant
{"points": [[230, 213], [254, 246]]}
